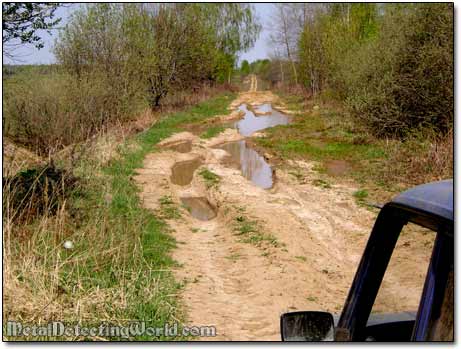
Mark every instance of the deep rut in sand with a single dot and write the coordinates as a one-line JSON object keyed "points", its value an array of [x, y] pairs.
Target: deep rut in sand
{"points": [[260, 252]]}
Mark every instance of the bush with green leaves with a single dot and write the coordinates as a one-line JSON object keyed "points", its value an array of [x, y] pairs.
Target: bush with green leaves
{"points": [[391, 63]]}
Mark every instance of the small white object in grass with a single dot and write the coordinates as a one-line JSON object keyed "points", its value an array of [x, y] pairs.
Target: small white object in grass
{"points": [[68, 245]]}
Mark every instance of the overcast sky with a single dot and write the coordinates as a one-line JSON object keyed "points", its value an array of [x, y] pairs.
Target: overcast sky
{"points": [[28, 54]]}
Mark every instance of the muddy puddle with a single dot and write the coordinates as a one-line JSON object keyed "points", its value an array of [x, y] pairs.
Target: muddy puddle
{"points": [[183, 171], [252, 123], [253, 166], [199, 207]]}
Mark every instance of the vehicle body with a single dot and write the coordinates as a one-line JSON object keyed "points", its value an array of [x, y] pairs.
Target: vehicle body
{"points": [[429, 205]]}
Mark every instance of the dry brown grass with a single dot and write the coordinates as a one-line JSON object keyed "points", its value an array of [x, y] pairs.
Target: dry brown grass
{"points": [[420, 160], [34, 257]]}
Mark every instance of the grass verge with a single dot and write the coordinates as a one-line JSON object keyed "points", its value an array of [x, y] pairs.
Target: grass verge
{"points": [[119, 267]]}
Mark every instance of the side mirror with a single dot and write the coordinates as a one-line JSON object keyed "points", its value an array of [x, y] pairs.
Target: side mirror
{"points": [[307, 326]]}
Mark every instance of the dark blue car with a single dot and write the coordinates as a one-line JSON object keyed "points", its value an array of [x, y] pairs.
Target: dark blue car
{"points": [[429, 205]]}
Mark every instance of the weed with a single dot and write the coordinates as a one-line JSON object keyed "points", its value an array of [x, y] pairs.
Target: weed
{"points": [[249, 230], [38, 190], [245, 226], [312, 299], [211, 179], [332, 134], [212, 132], [361, 194], [168, 209], [321, 183], [120, 264], [301, 258]]}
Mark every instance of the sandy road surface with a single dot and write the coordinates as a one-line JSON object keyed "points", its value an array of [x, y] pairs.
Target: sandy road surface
{"points": [[319, 233]]}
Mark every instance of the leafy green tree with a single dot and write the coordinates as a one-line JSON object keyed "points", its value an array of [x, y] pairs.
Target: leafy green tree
{"points": [[235, 30], [406, 81], [91, 40], [245, 67]]}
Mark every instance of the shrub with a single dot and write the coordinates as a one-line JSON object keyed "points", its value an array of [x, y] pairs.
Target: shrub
{"points": [[404, 79], [47, 113]]}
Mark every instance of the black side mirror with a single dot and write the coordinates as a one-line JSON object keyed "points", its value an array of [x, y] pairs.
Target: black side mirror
{"points": [[307, 326]]}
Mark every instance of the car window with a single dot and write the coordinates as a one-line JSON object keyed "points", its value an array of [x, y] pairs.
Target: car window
{"points": [[404, 279]]}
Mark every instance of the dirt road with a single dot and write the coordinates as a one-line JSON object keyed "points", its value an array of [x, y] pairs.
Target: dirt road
{"points": [[253, 83], [295, 246]]}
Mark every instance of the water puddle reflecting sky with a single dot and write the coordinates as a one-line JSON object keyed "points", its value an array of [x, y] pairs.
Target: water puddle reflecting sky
{"points": [[252, 165], [252, 123]]}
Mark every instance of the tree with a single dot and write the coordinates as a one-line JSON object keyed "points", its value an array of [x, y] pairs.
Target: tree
{"points": [[284, 36], [407, 81], [288, 22], [164, 47], [245, 67], [391, 64], [235, 29], [22, 21]]}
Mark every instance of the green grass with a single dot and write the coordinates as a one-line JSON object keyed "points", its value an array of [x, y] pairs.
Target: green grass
{"points": [[329, 151], [249, 231], [212, 132], [322, 135], [168, 208], [211, 179], [155, 240], [361, 194], [134, 221]]}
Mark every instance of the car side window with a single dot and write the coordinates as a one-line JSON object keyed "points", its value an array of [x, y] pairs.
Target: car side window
{"points": [[403, 281]]}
